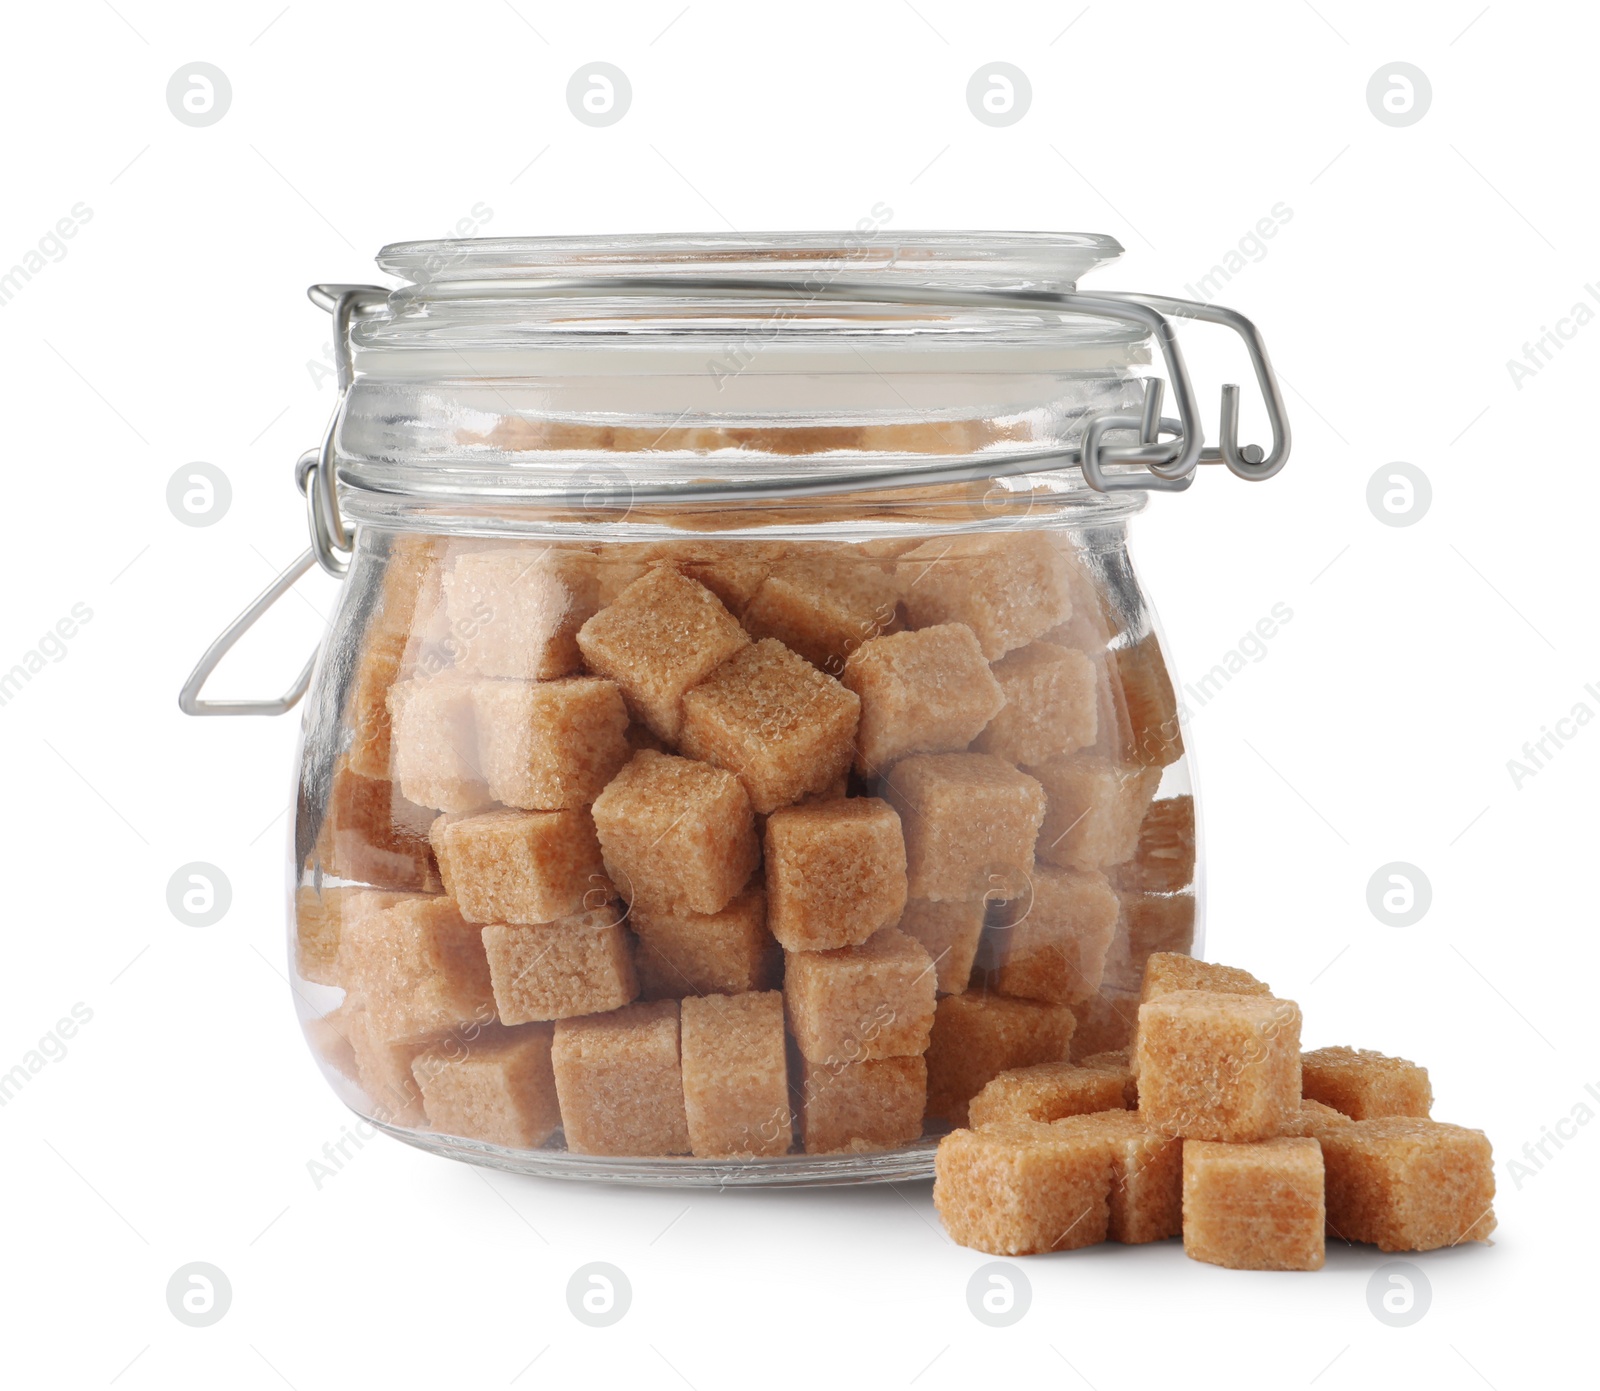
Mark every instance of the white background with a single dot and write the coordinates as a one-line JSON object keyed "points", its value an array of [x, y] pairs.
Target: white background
{"points": [[179, 1124]]}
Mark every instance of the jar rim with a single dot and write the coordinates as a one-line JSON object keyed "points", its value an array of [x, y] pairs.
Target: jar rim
{"points": [[998, 260]]}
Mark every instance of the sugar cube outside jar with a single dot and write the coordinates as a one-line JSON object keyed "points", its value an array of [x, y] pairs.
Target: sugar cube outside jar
{"points": [[742, 734]]}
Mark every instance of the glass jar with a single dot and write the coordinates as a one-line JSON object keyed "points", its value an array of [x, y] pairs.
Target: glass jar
{"points": [[742, 733]]}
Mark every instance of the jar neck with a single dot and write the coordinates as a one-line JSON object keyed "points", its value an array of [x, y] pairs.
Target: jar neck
{"points": [[610, 516]]}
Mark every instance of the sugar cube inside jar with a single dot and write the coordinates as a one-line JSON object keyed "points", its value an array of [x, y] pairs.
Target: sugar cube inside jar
{"points": [[742, 735]]}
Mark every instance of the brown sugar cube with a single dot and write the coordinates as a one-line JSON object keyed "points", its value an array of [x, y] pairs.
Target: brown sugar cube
{"points": [[1150, 923], [1114, 1061], [663, 634], [319, 916], [725, 953], [329, 1037], [977, 1037], [1146, 1200], [949, 932], [1008, 588], [1404, 1183], [1018, 1188], [416, 967], [550, 745], [378, 668], [1254, 1207], [412, 562], [784, 727], [1158, 923], [836, 872], [497, 1087], [579, 964], [1166, 972], [1219, 1067], [1094, 810], [522, 866], [924, 692], [1092, 624], [1087, 630], [732, 570], [1106, 1022], [1364, 1084], [383, 1068], [1122, 972], [524, 607], [1110, 740], [619, 1077], [871, 1001], [735, 1076], [1052, 943], [1045, 1092], [860, 1108], [823, 604], [373, 835], [1051, 704], [1151, 725], [970, 824], [435, 744], [1314, 1118], [677, 835], [462, 621], [1163, 859], [435, 644]]}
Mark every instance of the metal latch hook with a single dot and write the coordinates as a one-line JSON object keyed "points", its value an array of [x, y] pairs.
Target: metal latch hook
{"points": [[189, 697]]}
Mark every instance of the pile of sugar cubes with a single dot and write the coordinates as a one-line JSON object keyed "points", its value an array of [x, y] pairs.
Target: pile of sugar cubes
{"points": [[1214, 1126], [736, 848]]}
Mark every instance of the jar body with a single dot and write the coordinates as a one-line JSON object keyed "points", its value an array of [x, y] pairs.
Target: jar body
{"points": [[732, 856]]}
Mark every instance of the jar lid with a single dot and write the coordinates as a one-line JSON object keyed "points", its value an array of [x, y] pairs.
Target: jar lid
{"points": [[723, 368], [745, 313]]}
